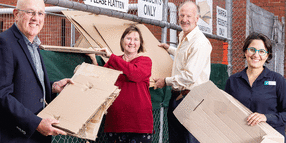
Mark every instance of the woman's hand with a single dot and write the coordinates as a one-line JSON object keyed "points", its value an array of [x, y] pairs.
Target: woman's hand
{"points": [[256, 118], [107, 51], [92, 56]]}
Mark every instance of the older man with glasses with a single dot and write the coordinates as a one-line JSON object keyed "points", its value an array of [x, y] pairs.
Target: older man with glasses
{"points": [[24, 84]]}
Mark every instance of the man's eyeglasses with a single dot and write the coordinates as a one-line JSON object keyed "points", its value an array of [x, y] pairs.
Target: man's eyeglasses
{"points": [[253, 50], [33, 13]]}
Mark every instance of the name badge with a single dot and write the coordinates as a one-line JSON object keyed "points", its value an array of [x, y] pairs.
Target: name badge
{"points": [[269, 82]]}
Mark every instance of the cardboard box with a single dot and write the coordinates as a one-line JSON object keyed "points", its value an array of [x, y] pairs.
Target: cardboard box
{"points": [[104, 31], [80, 106], [213, 116]]}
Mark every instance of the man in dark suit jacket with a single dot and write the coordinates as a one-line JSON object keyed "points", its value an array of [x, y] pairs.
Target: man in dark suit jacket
{"points": [[24, 85]]}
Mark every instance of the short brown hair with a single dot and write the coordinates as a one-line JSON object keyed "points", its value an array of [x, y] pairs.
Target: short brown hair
{"points": [[132, 28], [259, 36]]}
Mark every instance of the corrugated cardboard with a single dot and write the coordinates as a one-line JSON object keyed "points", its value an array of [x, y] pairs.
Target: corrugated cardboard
{"points": [[70, 49], [69, 15], [80, 106], [105, 30], [82, 42], [212, 115], [86, 24]]}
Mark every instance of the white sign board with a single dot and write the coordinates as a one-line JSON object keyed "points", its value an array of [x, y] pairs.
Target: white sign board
{"points": [[206, 12], [119, 5], [221, 22], [151, 9]]}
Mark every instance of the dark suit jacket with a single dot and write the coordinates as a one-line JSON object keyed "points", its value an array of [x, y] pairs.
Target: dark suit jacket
{"points": [[20, 91]]}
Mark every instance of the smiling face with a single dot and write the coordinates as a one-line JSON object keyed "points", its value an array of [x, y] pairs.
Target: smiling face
{"points": [[30, 26], [255, 61], [131, 43], [188, 17]]}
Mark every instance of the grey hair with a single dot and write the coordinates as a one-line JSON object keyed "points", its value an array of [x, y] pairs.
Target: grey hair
{"points": [[188, 1], [20, 3]]}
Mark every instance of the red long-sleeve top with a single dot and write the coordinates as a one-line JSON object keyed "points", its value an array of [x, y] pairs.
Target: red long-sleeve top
{"points": [[132, 109]]}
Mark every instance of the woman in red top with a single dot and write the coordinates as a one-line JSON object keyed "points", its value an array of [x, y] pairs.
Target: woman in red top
{"points": [[129, 118]]}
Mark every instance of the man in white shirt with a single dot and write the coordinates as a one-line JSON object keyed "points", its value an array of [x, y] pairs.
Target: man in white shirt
{"points": [[191, 67]]}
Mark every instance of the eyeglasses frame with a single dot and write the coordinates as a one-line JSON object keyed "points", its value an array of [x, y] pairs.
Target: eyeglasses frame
{"points": [[33, 13], [258, 51]]}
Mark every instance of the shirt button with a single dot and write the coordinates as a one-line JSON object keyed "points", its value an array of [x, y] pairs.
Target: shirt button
{"points": [[41, 100]]}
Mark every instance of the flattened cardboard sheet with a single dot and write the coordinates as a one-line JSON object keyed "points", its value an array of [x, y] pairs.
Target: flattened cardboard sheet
{"points": [[80, 106], [110, 30], [69, 15], [161, 60], [70, 49], [212, 115], [87, 24], [82, 42]]}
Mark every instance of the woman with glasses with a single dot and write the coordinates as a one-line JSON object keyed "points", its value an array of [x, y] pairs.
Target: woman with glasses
{"points": [[259, 89]]}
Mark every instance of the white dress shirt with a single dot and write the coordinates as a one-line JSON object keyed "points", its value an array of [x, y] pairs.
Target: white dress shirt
{"points": [[192, 61]]}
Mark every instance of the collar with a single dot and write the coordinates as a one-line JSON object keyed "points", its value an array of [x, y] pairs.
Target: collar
{"points": [[265, 73], [36, 40], [191, 34]]}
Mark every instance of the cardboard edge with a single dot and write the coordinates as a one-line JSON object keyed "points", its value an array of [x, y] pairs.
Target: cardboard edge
{"points": [[90, 129], [70, 49]]}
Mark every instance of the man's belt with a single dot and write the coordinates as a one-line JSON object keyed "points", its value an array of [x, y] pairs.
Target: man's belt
{"points": [[180, 93]]}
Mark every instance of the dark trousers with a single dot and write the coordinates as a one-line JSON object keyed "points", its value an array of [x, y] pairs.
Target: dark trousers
{"points": [[177, 132]]}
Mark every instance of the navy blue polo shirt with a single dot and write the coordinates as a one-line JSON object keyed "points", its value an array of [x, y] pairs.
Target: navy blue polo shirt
{"points": [[266, 96]]}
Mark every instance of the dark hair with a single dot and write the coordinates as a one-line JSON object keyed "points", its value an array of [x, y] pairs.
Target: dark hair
{"points": [[128, 30], [259, 36]]}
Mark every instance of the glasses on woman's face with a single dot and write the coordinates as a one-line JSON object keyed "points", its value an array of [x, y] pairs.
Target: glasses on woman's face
{"points": [[253, 50]]}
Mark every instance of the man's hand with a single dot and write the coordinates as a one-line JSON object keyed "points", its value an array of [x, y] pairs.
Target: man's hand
{"points": [[256, 118], [45, 127], [58, 86], [159, 83], [164, 45]]}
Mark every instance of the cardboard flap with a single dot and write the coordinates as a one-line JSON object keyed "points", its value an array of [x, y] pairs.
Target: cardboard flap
{"points": [[218, 117], [82, 42], [271, 139], [70, 15], [86, 23]]}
